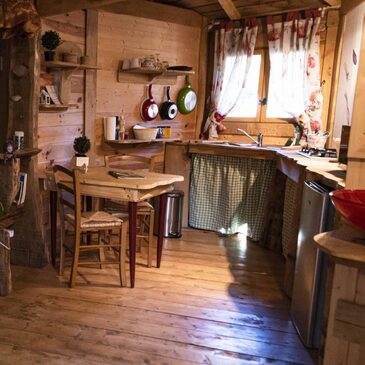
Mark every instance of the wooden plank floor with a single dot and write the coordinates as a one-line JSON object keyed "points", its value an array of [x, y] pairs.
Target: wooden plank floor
{"points": [[215, 300]]}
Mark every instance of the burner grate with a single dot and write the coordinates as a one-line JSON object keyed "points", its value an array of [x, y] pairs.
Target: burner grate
{"points": [[312, 152]]}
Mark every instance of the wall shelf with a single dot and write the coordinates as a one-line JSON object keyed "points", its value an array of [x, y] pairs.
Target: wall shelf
{"points": [[140, 141], [65, 71], [68, 65], [147, 76], [25, 152], [55, 108]]}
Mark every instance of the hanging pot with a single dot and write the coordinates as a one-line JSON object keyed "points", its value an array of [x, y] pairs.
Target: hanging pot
{"points": [[186, 99], [168, 109], [149, 108]]}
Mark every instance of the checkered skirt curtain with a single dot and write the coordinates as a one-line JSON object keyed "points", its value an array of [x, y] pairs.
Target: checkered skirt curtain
{"points": [[229, 194]]}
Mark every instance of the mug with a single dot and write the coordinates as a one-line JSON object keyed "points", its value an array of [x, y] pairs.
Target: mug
{"points": [[19, 140], [166, 132]]}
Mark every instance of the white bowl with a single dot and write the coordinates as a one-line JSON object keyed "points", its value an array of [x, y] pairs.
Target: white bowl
{"points": [[145, 133]]}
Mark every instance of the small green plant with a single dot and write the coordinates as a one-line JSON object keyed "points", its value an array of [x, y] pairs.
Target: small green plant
{"points": [[81, 145], [51, 40]]}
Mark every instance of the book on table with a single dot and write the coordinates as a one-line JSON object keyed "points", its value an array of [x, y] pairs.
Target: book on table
{"points": [[125, 175]]}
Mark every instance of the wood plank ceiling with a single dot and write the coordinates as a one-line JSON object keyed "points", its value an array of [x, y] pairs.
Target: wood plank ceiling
{"points": [[215, 9]]}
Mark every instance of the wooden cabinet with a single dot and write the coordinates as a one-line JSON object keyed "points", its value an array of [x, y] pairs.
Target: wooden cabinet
{"points": [[64, 71], [344, 325]]}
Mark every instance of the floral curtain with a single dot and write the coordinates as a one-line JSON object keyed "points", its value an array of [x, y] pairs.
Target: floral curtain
{"points": [[239, 44], [294, 47]]}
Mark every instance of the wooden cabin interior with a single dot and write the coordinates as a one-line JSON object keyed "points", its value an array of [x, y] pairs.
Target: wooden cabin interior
{"points": [[226, 247]]}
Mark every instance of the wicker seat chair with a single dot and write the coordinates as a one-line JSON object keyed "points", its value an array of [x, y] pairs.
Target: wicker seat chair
{"points": [[145, 211], [80, 224]]}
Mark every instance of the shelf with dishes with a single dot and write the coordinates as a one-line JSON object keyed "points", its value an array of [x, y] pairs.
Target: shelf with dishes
{"points": [[144, 75], [140, 141]]}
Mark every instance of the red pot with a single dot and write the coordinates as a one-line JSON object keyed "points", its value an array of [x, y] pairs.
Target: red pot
{"points": [[149, 109]]}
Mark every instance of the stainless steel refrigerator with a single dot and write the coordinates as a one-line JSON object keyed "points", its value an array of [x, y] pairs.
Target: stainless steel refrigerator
{"points": [[310, 269]]}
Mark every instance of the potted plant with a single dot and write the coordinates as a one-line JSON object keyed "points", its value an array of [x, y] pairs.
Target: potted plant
{"points": [[50, 41], [81, 146]]}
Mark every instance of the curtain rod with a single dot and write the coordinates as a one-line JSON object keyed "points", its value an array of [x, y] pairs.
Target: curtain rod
{"points": [[214, 23]]}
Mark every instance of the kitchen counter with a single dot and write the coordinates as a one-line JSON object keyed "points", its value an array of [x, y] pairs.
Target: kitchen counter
{"points": [[326, 170], [292, 164], [282, 217]]}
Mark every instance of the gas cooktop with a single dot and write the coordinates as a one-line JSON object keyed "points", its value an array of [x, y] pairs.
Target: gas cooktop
{"points": [[314, 153]]}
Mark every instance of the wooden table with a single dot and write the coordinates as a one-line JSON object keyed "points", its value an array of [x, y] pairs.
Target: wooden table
{"points": [[98, 183]]}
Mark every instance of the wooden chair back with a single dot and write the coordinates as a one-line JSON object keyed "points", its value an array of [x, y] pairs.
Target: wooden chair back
{"points": [[130, 162], [68, 192]]}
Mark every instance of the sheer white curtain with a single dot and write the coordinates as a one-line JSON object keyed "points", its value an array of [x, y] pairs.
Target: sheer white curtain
{"points": [[295, 87], [233, 47]]}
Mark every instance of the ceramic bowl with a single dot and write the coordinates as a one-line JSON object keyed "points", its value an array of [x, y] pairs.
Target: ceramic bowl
{"points": [[351, 205], [145, 133]]}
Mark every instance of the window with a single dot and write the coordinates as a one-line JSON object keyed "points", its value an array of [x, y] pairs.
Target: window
{"points": [[247, 105], [258, 102]]}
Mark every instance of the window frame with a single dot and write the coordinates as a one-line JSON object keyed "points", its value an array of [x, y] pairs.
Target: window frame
{"points": [[263, 92]]}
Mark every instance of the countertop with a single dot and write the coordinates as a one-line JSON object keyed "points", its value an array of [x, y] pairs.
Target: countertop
{"points": [[327, 170], [346, 245]]}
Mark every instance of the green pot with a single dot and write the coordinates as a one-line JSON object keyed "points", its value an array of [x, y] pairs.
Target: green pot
{"points": [[186, 99]]}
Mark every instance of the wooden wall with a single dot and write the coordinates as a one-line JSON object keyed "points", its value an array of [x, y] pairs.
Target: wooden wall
{"points": [[119, 37], [348, 69], [56, 131], [349, 282], [123, 37]]}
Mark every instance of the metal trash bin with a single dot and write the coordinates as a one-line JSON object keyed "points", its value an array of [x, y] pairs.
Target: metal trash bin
{"points": [[174, 211]]}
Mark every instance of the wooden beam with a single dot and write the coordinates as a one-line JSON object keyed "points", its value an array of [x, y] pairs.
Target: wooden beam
{"points": [[91, 49], [334, 81], [54, 7], [230, 9], [203, 59], [150, 10], [348, 5], [334, 3]]}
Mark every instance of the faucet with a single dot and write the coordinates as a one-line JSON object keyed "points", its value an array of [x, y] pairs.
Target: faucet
{"points": [[260, 137]]}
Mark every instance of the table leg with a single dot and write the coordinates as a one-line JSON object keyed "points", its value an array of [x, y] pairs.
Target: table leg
{"points": [[89, 208], [132, 240], [161, 226], [53, 217]]}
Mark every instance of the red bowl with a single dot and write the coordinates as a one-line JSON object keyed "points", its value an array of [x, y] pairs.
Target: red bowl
{"points": [[351, 205]]}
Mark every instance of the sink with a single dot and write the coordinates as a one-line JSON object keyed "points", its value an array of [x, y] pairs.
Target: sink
{"points": [[239, 144]]}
